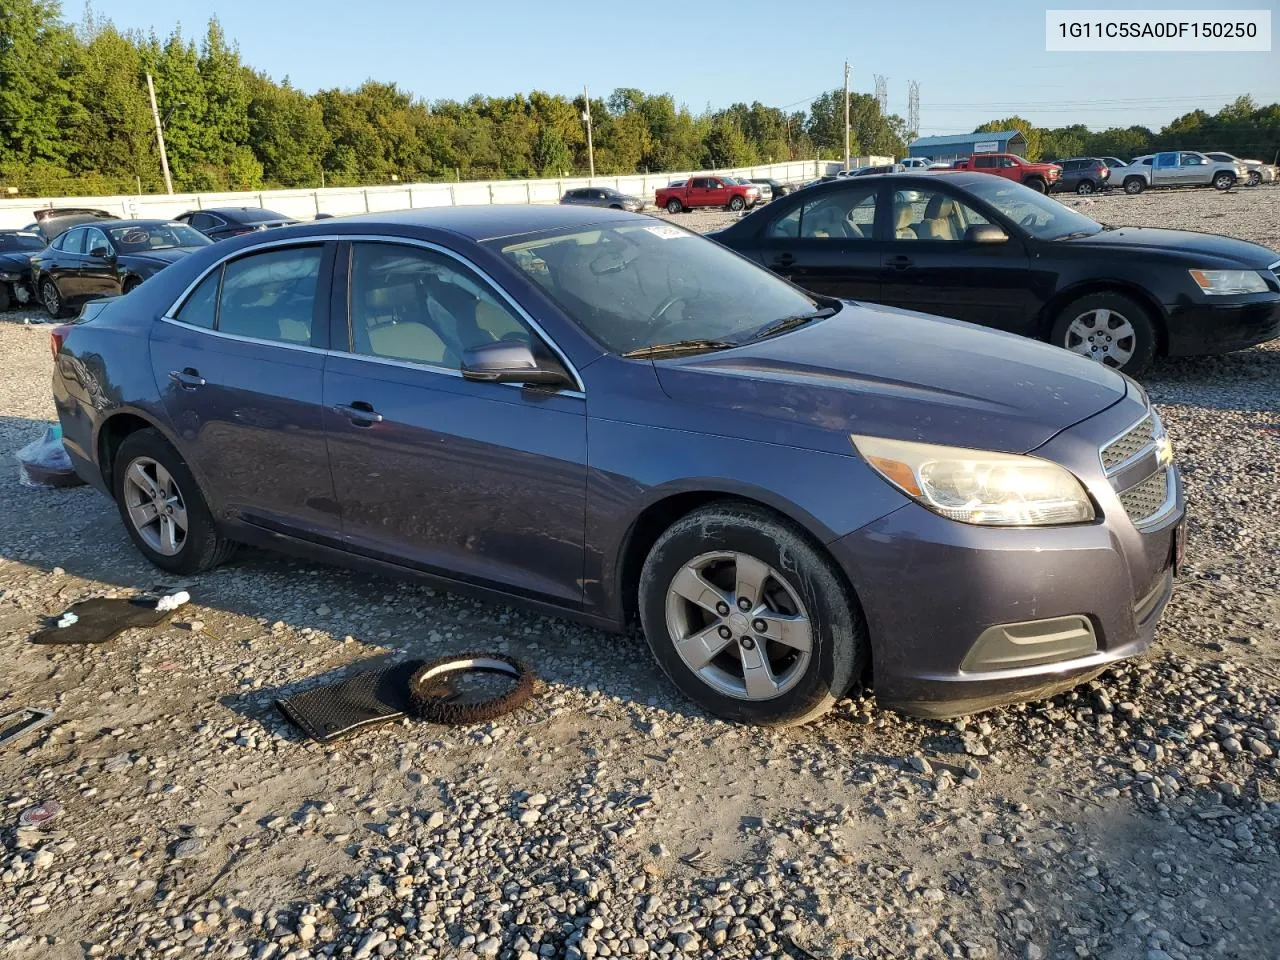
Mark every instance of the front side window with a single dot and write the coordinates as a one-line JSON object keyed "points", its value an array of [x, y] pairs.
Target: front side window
{"points": [[95, 239], [637, 285], [932, 215], [1192, 160], [72, 241], [420, 306], [156, 236], [271, 295]]}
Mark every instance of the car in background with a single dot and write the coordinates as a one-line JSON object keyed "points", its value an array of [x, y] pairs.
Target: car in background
{"points": [[878, 169], [717, 191], [220, 223], [1114, 162], [982, 249], [1178, 168], [52, 221], [915, 163], [602, 197], [107, 259], [771, 189], [16, 250], [1258, 171], [1041, 177], [608, 417], [1083, 175]]}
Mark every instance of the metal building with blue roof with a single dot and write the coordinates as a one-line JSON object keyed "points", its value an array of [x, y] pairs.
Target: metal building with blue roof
{"points": [[962, 145]]}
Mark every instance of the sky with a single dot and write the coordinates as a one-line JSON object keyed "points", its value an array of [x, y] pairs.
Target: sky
{"points": [[975, 60]]}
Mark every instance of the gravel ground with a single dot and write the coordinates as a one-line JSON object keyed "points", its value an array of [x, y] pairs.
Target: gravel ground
{"points": [[1136, 817]]}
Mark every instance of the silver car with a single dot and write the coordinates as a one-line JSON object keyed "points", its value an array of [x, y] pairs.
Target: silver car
{"points": [[603, 197]]}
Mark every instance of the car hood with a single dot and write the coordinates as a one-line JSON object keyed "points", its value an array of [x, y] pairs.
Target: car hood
{"points": [[16, 260], [166, 256], [1251, 255], [889, 372]]}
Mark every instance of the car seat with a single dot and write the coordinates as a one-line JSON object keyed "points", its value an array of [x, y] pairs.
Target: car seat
{"points": [[938, 222]]}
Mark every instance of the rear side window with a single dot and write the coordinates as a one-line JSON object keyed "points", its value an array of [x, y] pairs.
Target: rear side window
{"points": [[271, 295], [201, 308]]}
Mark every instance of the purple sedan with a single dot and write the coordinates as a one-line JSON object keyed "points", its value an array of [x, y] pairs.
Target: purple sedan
{"points": [[605, 416]]}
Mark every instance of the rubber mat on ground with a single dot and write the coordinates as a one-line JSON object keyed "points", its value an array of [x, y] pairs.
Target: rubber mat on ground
{"points": [[365, 699], [101, 619]]}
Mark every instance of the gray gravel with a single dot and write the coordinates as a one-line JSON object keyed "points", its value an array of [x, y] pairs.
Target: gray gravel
{"points": [[1136, 817]]}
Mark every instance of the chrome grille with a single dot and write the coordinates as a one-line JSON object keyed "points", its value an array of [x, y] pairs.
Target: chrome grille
{"points": [[1144, 500], [1128, 444]]}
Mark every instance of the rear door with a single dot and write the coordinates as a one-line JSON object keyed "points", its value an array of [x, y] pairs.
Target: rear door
{"points": [[931, 264], [480, 481], [828, 243], [240, 365]]}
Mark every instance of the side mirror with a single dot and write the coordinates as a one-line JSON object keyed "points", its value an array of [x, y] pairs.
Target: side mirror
{"points": [[985, 233], [100, 253], [510, 361]]}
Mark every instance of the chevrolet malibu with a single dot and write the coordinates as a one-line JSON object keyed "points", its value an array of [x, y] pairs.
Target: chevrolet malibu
{"points": [[609, 417]]}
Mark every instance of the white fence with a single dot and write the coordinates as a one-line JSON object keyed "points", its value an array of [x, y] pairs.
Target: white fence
{"points": [[305, 204]]}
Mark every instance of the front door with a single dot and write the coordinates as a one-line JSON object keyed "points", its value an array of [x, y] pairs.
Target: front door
{"points": [[240, 367], [476, 481], [829, 244], [1165, 171], [932, 265], [99, 276]]}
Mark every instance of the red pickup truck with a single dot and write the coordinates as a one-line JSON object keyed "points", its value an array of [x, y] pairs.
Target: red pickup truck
{"points": [[1040, 177], [707, 192]]}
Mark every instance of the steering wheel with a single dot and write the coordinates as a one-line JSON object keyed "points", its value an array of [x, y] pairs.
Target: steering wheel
{"points": [[657, 319], [1029, 220]]}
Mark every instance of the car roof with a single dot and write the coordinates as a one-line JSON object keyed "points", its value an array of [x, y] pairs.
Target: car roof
{"points": [[116, 224], [232, 211], [477, 222]]}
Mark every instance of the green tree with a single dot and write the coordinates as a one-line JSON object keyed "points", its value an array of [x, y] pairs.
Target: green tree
{"points": [[287, 132], [181, 100], [114, 133], [37, 52], [1029, 131], [226, 106]]}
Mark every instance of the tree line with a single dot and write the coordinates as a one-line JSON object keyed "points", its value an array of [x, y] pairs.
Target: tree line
{"points": [[75, 119]]}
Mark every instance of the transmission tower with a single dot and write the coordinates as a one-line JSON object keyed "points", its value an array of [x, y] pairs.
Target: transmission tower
{"points": [[882, 93], [913, 111]]}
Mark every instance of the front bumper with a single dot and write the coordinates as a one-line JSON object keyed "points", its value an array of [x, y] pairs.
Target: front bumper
{"points": [[948, 604], [1196, 329]]}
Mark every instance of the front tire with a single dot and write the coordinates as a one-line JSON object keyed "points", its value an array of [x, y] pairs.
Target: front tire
{"points": [[1223, 181], [1134, 186], [736, 204], [1108, 328], [1255, 178], [51, 298], [1038, 185], [674, 206], [162, 506], [748, 618]]}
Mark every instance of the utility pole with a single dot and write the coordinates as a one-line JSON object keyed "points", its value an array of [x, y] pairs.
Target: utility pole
{"points": [[846, 116], [586, 115], [164, 157]]}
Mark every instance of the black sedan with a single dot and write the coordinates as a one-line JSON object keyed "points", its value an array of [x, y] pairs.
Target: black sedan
{"points": [[219, 223], [987, 250], [106, 259], [16, 249]]}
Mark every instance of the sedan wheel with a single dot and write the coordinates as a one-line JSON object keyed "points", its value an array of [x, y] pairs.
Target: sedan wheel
{"points": [[1255, 178], [1110, 329], [156, 507], [1084, 187], [751, 638], [51, 298], [748, 616]]}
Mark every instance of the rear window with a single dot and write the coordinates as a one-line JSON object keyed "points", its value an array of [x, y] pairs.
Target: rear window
{"points": [[26, 242]]}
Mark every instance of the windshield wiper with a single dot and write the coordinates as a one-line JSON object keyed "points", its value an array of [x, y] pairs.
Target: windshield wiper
{"points": [[1076, 235], [676, 347], [783, 324]]}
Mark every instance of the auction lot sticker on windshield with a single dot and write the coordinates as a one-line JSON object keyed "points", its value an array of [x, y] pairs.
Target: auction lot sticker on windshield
{"points": [[667, 232], [1126, 31]]}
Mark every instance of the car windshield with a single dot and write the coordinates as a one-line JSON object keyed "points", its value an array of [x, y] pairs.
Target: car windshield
{"points": [[639, 285], [1041, 216], [10, 242], [156, 236]]}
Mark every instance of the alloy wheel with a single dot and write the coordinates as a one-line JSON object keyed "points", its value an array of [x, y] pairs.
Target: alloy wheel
{"points": [[1084, 187], [1102, 335], [49, 294], [1133, 186], [739, 625], [156, 506]]}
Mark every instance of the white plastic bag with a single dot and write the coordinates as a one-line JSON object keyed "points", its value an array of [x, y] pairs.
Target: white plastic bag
{"points": [[45, 463]]}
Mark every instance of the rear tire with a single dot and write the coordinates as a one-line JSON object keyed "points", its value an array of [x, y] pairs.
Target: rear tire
{"points": [[674, 206], [1084, 187], [788, 587], [1141, 343], [1038, 185], [1134, 185], [199, 547]]}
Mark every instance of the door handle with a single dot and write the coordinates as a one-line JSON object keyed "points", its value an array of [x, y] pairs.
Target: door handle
{"points": [[188, 379], [360, 413], [899, 263], [784, 260]]}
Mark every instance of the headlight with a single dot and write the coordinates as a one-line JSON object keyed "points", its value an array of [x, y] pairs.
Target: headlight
{"points": [[977, 486], [1217, 283], [9, 277]]}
